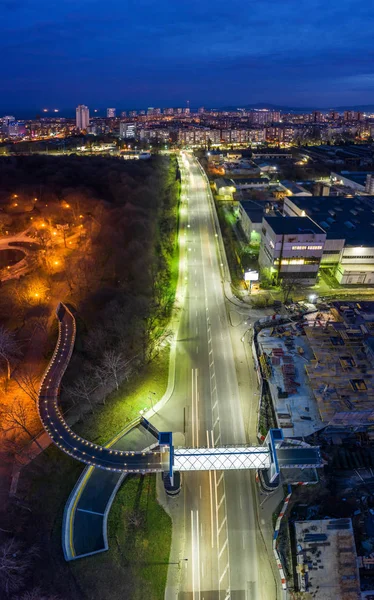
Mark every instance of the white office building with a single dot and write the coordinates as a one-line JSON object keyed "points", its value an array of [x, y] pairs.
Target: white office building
{"points": [[291, 248], [82, 117], [127, 131], [348, 252]]}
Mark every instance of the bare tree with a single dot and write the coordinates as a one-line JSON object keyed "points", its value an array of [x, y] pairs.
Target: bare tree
{"points": [[28, 383], [112, 364], [82, 389], [9, 348], [289, 285], [16, 416], [36, 594], [15, 563]]}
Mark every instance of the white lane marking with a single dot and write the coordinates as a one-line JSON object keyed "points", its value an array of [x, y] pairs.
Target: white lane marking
{"points": [[198, 553], [243, 540], [220, 502], [220, 479], [197, 349], [223, 548], [216, 501], [222, 524], [193, 410], [215, 404], [217, 440], [193, 562], [215, 423], [210, 496], [224, 573], [197, 412]]}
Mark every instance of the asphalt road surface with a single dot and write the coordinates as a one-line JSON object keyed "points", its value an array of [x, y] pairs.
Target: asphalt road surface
{"points": [[222, 544]]}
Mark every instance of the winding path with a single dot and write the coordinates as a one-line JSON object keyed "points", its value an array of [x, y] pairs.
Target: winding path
{"points": [[60, 432]]}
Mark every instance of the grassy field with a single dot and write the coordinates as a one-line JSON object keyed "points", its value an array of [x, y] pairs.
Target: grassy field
{"points": [[138, 552]]}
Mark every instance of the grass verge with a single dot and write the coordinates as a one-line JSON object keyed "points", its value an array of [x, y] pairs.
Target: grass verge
{"points": [[123, 405], [139, 546]]}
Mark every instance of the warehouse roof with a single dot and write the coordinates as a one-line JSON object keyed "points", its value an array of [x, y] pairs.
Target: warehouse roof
{"points": [[293, 225], [342, 217]]}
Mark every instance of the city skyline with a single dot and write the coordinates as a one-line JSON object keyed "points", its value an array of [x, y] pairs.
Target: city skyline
{"points": [[294, 53]]}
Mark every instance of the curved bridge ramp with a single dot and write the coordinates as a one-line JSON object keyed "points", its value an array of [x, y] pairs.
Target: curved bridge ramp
{"points": [[84, 530], [60, 432]]}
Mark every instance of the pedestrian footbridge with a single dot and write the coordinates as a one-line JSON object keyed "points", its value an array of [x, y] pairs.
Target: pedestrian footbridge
{"points": [[275, 453]]}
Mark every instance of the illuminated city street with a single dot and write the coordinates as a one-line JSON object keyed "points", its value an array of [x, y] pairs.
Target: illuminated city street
{"points": [[222, 543]]}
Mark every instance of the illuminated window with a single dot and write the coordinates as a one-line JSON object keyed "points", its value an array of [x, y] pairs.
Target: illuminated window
{"points": [[315, 247], [271, 243], [298, 247]]}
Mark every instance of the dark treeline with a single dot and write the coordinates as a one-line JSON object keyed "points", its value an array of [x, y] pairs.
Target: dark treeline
{"points": [[104, 178], [121, 280]]}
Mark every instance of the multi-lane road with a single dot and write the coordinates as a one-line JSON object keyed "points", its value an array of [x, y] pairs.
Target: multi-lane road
{"points": [[213, 404], [226, 556]]}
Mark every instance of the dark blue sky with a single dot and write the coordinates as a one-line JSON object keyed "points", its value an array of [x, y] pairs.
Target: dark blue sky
{"points": [[135, 53]]}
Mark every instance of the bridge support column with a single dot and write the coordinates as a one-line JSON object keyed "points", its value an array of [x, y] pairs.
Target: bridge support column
{"points": [[273, 441]]}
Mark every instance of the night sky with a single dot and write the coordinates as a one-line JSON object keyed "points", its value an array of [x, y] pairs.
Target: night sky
{"points": [[139, 53]]}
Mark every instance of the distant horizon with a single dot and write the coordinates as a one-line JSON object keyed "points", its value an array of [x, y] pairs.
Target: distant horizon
{"points": [[69, 112]]}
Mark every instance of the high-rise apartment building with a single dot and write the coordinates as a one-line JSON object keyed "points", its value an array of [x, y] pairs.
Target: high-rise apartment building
{"points": [[82, 117], [110, 113], [127, 131], [334, 115], [263, 116], [124, 113], [369, 186], [351, 115], [133, 113], [201, 110], [317, 116], [8, 119]]}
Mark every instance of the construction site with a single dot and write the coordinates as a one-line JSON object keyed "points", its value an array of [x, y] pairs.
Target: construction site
{"points": [[341, 372], [320, 370], [327, 559]]}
